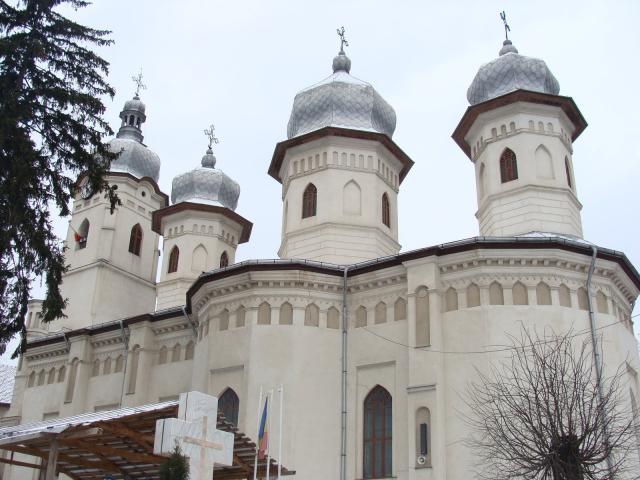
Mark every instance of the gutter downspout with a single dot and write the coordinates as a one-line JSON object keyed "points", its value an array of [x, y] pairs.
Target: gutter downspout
{"points": [[343, 413], [597, 357], [125, 348]]}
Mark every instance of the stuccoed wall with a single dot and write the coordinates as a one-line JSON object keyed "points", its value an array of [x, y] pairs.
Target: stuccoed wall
{"points": [[306, 359], [350, 176], [541, 198]]}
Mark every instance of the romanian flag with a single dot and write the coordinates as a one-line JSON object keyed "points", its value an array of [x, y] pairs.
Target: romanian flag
{"points": [[263, 434]]}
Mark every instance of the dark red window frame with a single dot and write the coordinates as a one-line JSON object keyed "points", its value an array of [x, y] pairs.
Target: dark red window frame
{"points": [[135, 240], [377, 432], [174, 256], [309, 201], [386, 212], [508, 166]]}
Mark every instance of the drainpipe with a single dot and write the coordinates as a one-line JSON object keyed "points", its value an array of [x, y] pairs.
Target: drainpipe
{"points": [[597, 357], [125, 348], [343, 414], [190, 322]]}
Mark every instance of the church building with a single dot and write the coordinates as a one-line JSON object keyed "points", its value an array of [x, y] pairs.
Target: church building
{"points": [[372, 345]]}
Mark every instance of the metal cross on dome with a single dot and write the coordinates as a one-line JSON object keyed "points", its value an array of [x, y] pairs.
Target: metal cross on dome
{"points": [[137, 79], [343, 40], [195, 433], [210, 134], [507, 29]]}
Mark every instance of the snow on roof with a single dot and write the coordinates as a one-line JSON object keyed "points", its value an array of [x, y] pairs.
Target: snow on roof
{"points": [[7, 381]]}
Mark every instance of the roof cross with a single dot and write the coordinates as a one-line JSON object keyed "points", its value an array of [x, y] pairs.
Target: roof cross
{"points": [[210, 134], [343, 41], [137, 79], [507, 29]]}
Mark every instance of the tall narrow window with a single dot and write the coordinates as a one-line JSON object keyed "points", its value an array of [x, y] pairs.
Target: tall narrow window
{"points": [[224, 260], [133, 369], [567, 169], [135, 239], [386, 214], [377, 434], [71, 384], [309, 201], [173, 259], [508, 166], [229, 405], [80, 236]]}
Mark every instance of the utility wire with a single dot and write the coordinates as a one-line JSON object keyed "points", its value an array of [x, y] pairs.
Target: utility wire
{"points": [[471, 352]]}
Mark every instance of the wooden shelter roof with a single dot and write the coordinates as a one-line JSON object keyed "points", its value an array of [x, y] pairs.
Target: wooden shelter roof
{"points": [[118, 443]]}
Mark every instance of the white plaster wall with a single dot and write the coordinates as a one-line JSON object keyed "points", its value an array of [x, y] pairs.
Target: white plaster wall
{"points": [[341, 231], [540, 199]]}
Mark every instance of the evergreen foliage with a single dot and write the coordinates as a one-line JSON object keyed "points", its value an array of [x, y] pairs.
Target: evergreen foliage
{"points": [[51, 130], [176, 467]]}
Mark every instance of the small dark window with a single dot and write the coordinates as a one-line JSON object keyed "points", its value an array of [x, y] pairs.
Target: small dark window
{"points": [[130, 119], [173, 259], [377, 434], [224, 260], [228, 405], [508, 166], [135, 240], [309, 200], [386, 214], [423, 439], [567, 169]]}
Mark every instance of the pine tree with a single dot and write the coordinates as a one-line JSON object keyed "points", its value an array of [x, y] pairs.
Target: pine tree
{"points": [[51, 130], [176, 467]]}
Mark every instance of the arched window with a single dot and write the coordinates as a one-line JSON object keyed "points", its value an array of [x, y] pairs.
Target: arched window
{"points": [[135, 239], [264, 314], [176, 353], [41, 377], [473, 295], [223, 320], [162, 355], [400, 309], [601, 302], [312, 315], [333, 318], [508, 166], [95, 370], [361, 317], [309, 201], [106, 369], [377, 430], [71, 384], [130, 119], [119, 364], [496, 294], [520, 294], [286, 314], [451, 299], [51, 377], [190, 350], [82, 234], [380, 313], [240, 315], [386, 213], [224, 260], [583, 299], [61, 374], [173, 259], [565, 295], [32, 380], [229, 405], [543, 294], [567, 170]]}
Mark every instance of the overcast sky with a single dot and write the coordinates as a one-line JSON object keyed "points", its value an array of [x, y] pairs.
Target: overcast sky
{"points": [[238, 64]]}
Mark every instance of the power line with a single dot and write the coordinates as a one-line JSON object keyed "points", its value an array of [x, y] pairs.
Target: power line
{"points": [[471, 352]]}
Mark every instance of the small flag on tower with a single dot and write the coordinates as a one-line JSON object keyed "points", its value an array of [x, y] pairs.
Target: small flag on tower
{"points": [[263, 435]]}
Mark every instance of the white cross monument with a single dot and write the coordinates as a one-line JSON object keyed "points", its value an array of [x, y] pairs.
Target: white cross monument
{"points": [[194, 431]]}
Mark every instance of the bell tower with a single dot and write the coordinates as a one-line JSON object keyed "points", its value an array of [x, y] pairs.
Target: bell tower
{"points": [[113, 256], [340, 171], [519, 133]]}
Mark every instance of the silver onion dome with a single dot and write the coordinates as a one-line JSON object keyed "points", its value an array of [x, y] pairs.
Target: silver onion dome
{"points": [[206, 185], [341, 100], [509, 72], [135, 157]]}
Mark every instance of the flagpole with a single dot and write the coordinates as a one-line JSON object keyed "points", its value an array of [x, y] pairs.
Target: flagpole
{"points": [[268, 440], [255, 462], [281, 390]]}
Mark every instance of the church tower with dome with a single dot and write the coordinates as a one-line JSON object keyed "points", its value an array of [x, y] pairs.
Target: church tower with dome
{"points": [[115, 255], [340, 172]]}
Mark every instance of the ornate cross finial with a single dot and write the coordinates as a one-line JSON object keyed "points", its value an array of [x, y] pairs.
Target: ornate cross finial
{"points": [[210, 134], [137, 79], [507, 29], [343, 41]]}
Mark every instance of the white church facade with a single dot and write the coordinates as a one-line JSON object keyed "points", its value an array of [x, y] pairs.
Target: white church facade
{"points": [[373, 346]]}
